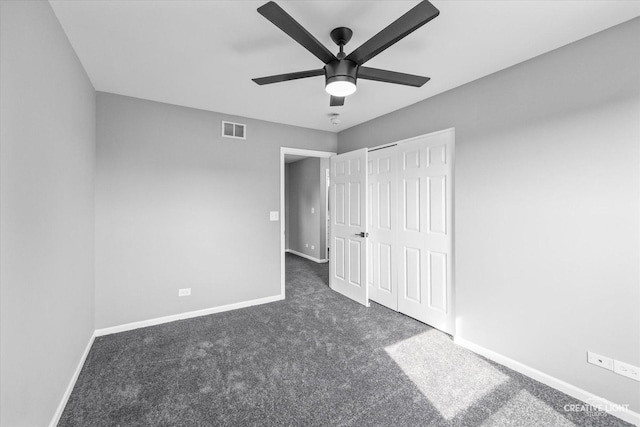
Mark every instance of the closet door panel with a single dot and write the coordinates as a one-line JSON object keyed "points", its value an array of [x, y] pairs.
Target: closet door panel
{"points": [[382, 231], [348, 264], [424, 246]]}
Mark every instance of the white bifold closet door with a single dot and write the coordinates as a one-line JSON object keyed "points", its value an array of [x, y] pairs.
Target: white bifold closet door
{"points": [[383, 276], [424, 231], [348, 254], [410, 221]]}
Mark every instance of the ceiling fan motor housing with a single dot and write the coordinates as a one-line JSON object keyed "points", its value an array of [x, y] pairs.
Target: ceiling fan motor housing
{"points": [[342, 70]]}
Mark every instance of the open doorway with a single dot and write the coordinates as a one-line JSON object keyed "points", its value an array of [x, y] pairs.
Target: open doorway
{"points": [[304, 206]]}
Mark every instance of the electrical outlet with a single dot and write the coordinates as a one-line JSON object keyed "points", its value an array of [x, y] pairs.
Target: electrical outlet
{"points": [[184, 292], [306, 245], [626, 369], [598, 360], [313, 247], [274, 216], [313, 210]]}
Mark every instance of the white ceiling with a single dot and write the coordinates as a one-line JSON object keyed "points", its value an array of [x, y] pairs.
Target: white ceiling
{"points": [[203, 54]]}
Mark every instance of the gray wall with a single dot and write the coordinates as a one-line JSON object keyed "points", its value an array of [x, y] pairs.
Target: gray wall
{"points": [[303, 194], [546, 206], [47, 137], [179, 206]]}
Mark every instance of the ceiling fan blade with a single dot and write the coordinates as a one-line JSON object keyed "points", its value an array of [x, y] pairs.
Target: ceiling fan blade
{"points": [[397, 30], [336, 101], [391, 77], [289, 76], [286, 23]]}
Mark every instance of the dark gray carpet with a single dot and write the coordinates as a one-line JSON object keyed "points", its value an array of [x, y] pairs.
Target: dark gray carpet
{"points": [[316, 358]]}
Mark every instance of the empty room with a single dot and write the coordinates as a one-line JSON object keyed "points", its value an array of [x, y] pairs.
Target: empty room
{"points": [[319, 213]]}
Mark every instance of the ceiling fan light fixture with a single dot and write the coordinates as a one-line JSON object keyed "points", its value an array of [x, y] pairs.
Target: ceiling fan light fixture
{"points": [[341, 70], [340, 86]]}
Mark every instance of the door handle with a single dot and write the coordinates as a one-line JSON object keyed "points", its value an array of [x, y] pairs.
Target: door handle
{"points": [[362, 234]]}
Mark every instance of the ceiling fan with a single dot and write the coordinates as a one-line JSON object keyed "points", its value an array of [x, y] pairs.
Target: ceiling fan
{"points": [[341, 71]]}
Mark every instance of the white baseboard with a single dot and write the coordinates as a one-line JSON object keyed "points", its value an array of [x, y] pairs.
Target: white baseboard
{"points": [[571, 390], [72, 383], [300, 254], [186, 315]]}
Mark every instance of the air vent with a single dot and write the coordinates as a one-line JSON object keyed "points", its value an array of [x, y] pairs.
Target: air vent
{"points": [[234, 130]]}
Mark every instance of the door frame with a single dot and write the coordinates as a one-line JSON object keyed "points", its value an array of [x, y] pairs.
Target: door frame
{"points": [[327, 218], [297, 152]]}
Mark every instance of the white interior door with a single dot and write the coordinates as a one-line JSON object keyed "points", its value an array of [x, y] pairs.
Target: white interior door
{"points": [[348, 255], [382, 277], [424, 229]]}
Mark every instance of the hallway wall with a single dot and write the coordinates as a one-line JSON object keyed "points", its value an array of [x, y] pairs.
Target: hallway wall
{"points": [[304, 194]]}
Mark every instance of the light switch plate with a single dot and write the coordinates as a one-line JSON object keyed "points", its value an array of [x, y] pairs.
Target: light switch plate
{"points": [[274, 216]]}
